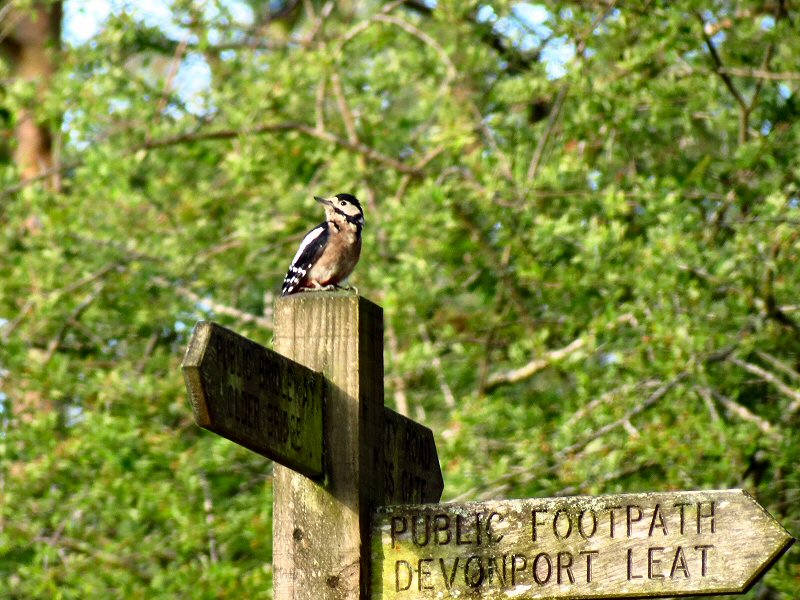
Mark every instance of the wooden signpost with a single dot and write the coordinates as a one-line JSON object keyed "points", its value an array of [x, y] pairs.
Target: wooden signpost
{"points": [[272, 405], [255, 397], [627, 545], [315, 407]]}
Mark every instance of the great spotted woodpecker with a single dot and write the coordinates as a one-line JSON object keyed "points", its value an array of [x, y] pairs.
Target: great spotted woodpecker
{"points": [[330, 251]]}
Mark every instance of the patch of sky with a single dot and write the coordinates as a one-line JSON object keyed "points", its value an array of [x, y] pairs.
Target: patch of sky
{"points": [[768, 22], [192, 80], [532, 17], [784, 91], [766, 127], [206, 305], [610, 358], [73, 136], [485, 13], [74, 415], [84, 19], [556, 55], [526, 28], [593, 180]]}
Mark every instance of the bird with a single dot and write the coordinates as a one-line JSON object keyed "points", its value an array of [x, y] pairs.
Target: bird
{"points": [[329, 252]]}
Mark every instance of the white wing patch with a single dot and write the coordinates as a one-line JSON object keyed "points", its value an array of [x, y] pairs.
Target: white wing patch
{"points": [[308, 240], [297, 270]]}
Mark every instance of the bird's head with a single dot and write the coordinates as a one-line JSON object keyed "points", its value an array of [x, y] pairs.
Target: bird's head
{"points": [[343, 207]]}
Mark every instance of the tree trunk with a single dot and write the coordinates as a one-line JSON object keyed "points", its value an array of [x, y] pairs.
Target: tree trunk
{"points": [[31, 44]]}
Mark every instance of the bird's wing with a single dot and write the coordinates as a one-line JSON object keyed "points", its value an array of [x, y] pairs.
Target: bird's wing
{"points": [[307, 254]]}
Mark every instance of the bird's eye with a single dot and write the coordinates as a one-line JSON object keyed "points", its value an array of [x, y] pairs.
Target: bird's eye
{"points": [[342, 203]]}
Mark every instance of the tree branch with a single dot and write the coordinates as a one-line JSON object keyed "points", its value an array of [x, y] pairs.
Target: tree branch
{"points": [[770, 378], [743, 413], [779, 365], [222, 309], [552, 119], [535, 366], [424, 38], [719, 67], [550, 358], [320, 134], [759, 74], [652, 400], [55, 343]]}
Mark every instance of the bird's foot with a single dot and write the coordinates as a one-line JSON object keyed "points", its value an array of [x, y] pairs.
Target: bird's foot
{"points": [[317, 287], [344, 288]]}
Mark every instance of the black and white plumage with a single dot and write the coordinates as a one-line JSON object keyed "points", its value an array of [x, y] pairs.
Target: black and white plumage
{"points": [[329, 252]]}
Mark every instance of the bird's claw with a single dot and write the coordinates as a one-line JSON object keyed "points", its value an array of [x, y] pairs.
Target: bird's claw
{"points": [[326, 288]]}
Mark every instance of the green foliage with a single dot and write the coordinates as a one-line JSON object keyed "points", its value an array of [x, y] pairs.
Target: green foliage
{"points": [[590, 281]]}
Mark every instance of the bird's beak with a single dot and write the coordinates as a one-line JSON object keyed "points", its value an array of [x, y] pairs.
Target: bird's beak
{"points": [[322, 200]]}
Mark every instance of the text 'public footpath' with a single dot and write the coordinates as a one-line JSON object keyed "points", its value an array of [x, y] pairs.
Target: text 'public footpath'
{"points": [[549, 547]]}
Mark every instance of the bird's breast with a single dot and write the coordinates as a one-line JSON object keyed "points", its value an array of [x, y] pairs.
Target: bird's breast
{"points": [[339, 258]]}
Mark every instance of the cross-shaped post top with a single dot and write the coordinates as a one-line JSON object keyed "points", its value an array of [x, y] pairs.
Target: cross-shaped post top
{"points": [[315, 406]]}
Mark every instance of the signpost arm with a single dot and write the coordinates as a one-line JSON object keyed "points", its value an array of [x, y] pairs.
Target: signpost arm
{"points": [[321, 528]]}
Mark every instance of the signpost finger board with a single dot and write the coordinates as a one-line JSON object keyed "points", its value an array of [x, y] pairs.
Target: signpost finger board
{"points": [[628, 545]]}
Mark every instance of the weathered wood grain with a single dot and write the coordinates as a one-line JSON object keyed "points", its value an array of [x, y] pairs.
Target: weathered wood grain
{"points": [[628, 545], [412, 474], [321, 531], [255, 397]]}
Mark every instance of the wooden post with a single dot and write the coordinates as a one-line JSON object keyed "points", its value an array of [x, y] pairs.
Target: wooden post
{"points": [[321, 535]]}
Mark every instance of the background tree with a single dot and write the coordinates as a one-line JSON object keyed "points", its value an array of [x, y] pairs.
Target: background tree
{"points": [[582, 223], [29, 41]]}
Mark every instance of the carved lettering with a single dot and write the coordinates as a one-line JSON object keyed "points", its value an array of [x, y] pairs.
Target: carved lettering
{"points": [[441, 524], [652, 563], [590, 554], [493, 570], [542, 561], [631, 576], [562, 535], [564, 564], [704, 557], [679, 564], [399, 525], [581, 529], [450, 577], [490, 538], [709, 515], [662, 524], [418, 539], [424, 574], [535, 522], [517, 567], [630, 545], [634, 515], [473, 571], [409, 574]]}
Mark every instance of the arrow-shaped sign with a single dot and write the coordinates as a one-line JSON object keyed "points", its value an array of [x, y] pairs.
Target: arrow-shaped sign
{"points": [[255, 397], [412, 473], [627, 545], [274, 406]]}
